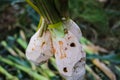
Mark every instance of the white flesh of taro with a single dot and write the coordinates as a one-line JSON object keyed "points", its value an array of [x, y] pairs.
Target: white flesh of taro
{"points": [[73, 28], [70, 57], [40, 48]]}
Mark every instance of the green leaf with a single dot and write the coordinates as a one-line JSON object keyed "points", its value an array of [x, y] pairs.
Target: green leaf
{"points": [[20, 61], [90, 11]]}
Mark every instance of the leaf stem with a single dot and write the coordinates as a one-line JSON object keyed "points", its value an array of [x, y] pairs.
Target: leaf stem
{"points": [[33, 6], [48, 10]]}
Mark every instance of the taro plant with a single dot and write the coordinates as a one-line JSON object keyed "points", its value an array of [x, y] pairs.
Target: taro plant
{"points": [[57, 35], [101, 64]]}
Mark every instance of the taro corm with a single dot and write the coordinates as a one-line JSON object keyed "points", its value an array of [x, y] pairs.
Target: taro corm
{"points": [[58, 36]]}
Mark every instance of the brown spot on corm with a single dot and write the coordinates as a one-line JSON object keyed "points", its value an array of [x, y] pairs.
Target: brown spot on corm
{"points": [[42, 44], [33, 49], [66, 48], [60, 43], [63, 56], [72, 44], [54, 50], [65, 69], [69, 37]]}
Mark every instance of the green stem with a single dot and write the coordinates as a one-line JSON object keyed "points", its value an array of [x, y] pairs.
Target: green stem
{"points": [[33, 6], [52, 60], [48, 10], [42, 26], [8, 75], [23, 68], [62, 7], [47, 70], [5, 45]]}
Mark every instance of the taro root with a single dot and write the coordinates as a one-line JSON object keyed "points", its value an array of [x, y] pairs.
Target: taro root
{"points": [[70, 57], [40, 47]]}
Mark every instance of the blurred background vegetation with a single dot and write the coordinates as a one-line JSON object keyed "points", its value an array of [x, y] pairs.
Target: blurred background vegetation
{"points": [[99, 21]]}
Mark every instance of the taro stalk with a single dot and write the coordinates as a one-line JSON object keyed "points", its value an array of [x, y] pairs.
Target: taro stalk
{"points": [[57, 35]]}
